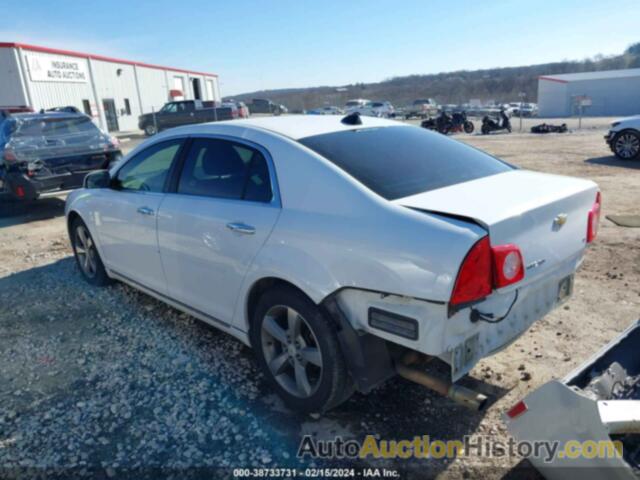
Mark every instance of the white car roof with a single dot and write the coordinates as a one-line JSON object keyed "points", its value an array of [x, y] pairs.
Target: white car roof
{"points": [[301, 126]]}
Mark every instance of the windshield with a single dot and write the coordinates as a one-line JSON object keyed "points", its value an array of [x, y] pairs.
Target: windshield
{"points": [[55, 126], [352, 104], [397, 162]]}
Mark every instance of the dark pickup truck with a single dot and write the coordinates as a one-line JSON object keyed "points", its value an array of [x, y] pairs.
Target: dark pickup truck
{"points": [[184, 112], [261, 105]]}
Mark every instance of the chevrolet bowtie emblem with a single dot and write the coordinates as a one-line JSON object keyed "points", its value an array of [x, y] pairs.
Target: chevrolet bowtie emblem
{"points": [[561, 219]]}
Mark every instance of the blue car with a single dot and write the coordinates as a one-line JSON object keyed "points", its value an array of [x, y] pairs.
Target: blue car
{"points": [[50, 152]]}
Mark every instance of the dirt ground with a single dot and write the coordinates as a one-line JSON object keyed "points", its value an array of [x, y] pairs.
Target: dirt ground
{"points": [[58, 337]]}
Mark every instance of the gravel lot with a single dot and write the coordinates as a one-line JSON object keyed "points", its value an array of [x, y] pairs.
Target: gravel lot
{"points": [[111, 382]]}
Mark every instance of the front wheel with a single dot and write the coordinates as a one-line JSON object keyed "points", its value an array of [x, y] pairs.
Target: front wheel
{"points": [[626, 145], [150, 130], [468, 127], [297, 348]]}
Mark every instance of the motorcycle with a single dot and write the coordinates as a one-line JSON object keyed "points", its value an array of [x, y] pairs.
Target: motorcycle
{"points": [[445, 123], [490, 125]]}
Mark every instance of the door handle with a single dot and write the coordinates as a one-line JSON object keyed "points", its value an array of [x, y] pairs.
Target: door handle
{"points": [[241, 228], [145, 211]]}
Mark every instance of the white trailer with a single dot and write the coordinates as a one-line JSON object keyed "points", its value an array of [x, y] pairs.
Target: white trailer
{"points": [[598, 402]]}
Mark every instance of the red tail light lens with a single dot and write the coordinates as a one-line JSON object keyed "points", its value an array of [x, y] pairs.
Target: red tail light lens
{"points": [[475, 276], [594, 219], [485, 268], [517, 410], [508, 265], [20, 191]]}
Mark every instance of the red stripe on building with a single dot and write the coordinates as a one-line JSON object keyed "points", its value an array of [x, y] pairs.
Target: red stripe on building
{"points": [[70, 53], [551, 79]]}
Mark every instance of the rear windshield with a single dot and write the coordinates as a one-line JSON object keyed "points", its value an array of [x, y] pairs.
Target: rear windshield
{"points": [[396, 162], [55, 126]]}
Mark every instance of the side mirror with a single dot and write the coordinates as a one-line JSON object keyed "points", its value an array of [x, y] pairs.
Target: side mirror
{"points": [[98, 179]]}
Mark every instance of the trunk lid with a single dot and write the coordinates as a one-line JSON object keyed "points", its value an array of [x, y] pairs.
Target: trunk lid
{"points": [[544, 215]]}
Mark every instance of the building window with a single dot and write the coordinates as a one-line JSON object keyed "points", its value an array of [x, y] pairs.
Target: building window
{"points": [[127, 106], [86, 106]]}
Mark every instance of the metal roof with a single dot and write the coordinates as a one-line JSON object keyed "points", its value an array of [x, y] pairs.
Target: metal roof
{"points": [[601, 75], [70, 53]]}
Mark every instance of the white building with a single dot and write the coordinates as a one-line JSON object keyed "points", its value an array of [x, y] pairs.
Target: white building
{"points": [[112, 91], [606, 93]]}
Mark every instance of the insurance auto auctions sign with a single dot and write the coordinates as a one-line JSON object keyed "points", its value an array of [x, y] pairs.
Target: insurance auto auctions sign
{"points": [[57, 69]]}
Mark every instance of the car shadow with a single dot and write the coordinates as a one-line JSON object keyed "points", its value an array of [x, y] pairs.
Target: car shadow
{"points": [[613, 161], [130, 334], [13, 212]]}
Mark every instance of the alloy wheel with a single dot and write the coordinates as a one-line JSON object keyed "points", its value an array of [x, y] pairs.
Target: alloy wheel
{"points": [[86, 252], [291, 351], [627, 145]]}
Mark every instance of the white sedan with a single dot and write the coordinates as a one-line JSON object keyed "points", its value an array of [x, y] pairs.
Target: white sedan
{"points": [[624, 138], [340, 249]]}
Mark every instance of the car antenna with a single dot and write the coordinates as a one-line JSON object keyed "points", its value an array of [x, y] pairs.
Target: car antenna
{"points": [[352, 119]]}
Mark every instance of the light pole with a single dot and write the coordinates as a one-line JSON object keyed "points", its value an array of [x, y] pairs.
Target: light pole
{"points": [[522, 96]]}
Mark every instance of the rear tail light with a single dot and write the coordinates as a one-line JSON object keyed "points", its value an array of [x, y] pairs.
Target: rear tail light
{"points": [[517, 410], [475, 276], [485, 268], [20, 191], [508, 265], [594, 219]]}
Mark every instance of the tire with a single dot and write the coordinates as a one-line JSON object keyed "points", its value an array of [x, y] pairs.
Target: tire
{"points": [[509, 129], [86, 254], [485, 129], [297, 348], [150, 130], [468, 127], [626, 145]]}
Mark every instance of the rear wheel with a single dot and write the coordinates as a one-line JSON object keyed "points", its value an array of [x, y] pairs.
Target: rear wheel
{"points": [[485, 129], [298, 351], [87, 256], [626, 145]]}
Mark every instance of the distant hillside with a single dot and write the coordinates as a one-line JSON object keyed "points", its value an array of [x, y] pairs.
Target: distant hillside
{"points": [[499, 84]]}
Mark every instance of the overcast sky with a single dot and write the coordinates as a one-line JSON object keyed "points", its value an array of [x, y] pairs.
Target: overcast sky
{"points": [[260, 44]]}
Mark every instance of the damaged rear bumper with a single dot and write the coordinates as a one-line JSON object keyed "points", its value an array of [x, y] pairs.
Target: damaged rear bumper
{"points": [[427, 327], [597, 402]]}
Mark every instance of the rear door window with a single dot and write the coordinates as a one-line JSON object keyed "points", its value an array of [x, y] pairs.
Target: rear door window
{"points": [[397, 162], [225, 169]]}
